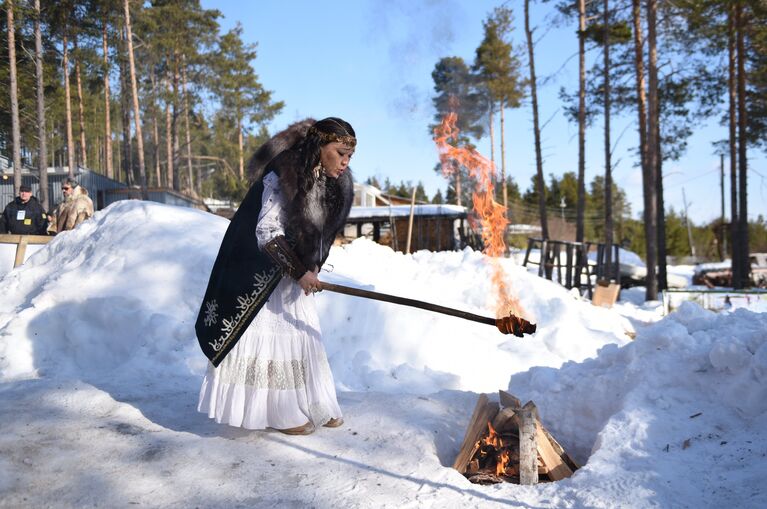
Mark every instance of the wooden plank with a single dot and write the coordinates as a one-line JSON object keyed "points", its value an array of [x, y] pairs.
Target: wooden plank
{"points": [[12, 238], [508, 400], [552, 459], [506, 420], [560, 450], [528, 455], [21, 250], [605, 295], [484, 412]]}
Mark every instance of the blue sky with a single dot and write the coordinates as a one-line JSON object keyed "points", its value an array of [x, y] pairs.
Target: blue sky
{"points": [[370, 62]]}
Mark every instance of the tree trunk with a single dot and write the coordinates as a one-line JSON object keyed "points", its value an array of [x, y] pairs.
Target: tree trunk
{"points": [[662, 269], [654, 161], [156, 139], [174, 125], [648, 174], [155, 132], [458, 190], [68, 106], [15, 123], [745, 266], [83, 157], [503, 161], [136, 111], [186, 125], [608, 163], [107, 104], [536, 128], [170, 176], [127, 148], [732, 93], [42, 159], [239, 145], [580, 226], [492, 147]]}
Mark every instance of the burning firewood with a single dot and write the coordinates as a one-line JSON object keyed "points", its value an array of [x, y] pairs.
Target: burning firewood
{"points": [[510, 445]]}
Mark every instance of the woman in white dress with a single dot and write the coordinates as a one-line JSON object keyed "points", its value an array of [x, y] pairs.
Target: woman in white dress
{"points": [[268, 364]]}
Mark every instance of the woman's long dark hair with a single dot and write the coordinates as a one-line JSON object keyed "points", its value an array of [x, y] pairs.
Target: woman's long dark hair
{"points": [[308, 147]]}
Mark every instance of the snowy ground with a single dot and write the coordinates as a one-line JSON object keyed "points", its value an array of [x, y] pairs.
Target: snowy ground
{"points": [[100, 371]]}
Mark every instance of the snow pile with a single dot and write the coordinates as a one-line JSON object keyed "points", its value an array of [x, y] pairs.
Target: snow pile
{"points": [[123, 291], [100, 371], [689, 388], [120, 291], [381, 346]]}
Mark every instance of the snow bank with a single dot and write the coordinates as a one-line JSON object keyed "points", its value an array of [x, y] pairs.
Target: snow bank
{"points": [[122, 292], [695, 376], [100, 374]]}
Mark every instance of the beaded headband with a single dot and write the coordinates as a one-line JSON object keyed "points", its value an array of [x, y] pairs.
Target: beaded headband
{"points": [[326, 138]]}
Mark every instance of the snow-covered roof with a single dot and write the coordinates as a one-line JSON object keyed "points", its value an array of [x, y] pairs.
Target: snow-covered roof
{"points": [[404, 211]]}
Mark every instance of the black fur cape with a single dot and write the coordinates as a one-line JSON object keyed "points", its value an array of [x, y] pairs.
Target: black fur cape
{"points": [[243, 277]]}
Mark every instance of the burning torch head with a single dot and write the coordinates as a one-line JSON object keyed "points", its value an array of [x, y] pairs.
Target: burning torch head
{"points": [[514, 325]]}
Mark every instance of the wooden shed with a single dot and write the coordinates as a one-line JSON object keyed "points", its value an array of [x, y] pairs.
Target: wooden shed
{"points": [[435, 227]]}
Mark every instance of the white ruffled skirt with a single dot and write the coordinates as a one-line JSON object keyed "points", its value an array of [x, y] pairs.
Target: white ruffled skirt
{"points": [[277, 375]]}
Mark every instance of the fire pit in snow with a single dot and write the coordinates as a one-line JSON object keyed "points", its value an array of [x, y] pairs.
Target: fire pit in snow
{"points": [[510, 444]]}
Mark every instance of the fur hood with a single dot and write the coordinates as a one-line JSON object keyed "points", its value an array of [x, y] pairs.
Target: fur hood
{"points": [[277, 144]]}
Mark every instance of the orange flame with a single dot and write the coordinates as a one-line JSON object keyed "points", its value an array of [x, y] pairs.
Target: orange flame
{"points": [[502, 462], [491, 214], [492, 436]]}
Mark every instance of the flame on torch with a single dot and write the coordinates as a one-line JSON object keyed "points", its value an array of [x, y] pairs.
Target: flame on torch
{"points": [[491, 214]]}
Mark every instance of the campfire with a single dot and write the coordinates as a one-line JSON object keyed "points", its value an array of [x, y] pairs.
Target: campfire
{"points": [[508, 443]]}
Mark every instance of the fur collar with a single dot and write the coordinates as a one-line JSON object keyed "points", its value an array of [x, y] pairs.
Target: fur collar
{"points": [[315, 210]]}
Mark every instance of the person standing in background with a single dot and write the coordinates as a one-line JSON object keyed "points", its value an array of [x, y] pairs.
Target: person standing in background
{"points": [[24, 215], [76, 207]]}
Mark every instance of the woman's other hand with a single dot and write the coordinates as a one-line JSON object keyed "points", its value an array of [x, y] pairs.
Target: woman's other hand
{"points": [[309, 282]]}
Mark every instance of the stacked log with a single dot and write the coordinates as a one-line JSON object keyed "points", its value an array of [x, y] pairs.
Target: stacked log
{"points": [[507, 442]]}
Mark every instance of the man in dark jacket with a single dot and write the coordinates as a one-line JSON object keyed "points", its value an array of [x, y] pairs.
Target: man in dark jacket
{"points": [[24, 215]]}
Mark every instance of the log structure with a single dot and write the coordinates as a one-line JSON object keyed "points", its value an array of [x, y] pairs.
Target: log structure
{"points": [[508, 443]]}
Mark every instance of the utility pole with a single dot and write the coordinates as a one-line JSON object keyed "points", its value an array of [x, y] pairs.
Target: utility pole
{"points": [[689, 227]]}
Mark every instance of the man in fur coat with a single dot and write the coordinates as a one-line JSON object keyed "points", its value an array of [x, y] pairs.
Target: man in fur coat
{"points": [[76, 207]]}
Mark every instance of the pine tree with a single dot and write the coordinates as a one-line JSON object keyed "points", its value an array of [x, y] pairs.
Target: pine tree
{"points": [[242, 96], [42, 160], [498, 69], [136, 109], [9, 8], [536, 126], [456, 92]]}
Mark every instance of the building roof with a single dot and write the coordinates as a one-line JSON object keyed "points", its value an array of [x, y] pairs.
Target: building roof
{"points": [[385, 213]]}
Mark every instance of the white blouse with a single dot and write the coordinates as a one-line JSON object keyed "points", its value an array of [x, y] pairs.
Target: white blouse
{"points": [[271, 220]]}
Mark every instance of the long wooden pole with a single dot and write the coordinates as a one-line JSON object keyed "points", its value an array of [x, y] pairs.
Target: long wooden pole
{"points": [[410, 222], [367, 294], [507, 324]]}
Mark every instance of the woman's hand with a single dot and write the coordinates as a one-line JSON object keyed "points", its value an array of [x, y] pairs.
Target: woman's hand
{"points": [[309, 282]]}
